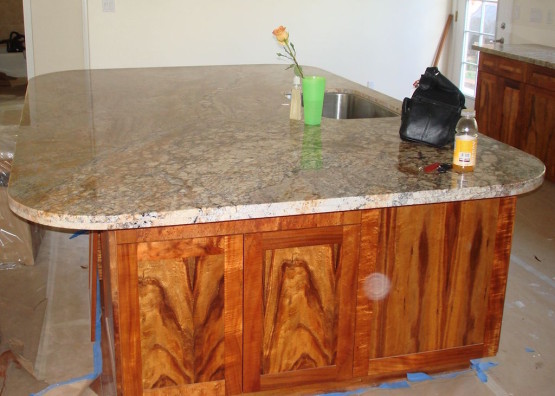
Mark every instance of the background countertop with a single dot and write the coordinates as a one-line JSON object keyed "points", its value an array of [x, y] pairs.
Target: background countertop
{"points": [[129, 148], [540, 55]]}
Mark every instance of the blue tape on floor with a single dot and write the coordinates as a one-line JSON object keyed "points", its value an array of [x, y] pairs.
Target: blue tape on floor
{"points": [[97, 353], [481, 367], [530, 350], [394, 385], [418, 377]]}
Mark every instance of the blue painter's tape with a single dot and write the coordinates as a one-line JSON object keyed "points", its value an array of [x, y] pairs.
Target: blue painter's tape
{"points": [[418, 377], [530, 350], [394, 385], [481, 367], [77, 233], [97, 353], [348, 393]]}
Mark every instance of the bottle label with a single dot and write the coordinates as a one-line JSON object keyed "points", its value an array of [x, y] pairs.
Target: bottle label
{"points": [[465, 150]]}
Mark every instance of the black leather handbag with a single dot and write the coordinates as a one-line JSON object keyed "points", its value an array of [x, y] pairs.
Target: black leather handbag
{"points": [[431, 114]]}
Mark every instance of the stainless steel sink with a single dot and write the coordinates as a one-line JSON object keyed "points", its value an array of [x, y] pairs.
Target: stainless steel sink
{"points": [[349, 105]]}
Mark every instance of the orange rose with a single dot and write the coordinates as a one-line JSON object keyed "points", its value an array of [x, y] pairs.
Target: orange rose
{"points": [[281, 35]]}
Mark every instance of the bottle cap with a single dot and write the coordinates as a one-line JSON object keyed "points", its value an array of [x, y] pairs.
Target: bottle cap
{"points": [[468, 113], [296, 80]]}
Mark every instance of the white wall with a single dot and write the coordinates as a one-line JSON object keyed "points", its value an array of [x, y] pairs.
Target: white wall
{"points": [[533, 22], [385, 43], [56, 28]]}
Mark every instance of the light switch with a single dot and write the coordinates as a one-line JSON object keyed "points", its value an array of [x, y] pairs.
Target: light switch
{"points": [[109, 5]]}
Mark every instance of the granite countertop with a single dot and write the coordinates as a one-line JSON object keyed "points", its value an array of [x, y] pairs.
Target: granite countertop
{"points": [[129, 148], [540, 55]]}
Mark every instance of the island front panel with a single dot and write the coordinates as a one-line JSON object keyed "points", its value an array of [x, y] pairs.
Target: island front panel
{"points": [[306, 301]]}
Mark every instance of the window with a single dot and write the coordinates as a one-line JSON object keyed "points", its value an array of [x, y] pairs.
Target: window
{"points": [[479, 28]]}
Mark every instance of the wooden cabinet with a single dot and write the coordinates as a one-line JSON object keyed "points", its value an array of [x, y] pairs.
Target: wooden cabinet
{"points": [[246, 306], [515, 104]]}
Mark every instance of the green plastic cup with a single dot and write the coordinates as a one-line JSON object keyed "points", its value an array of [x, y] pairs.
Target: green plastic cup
{"points": [[313, 99]]}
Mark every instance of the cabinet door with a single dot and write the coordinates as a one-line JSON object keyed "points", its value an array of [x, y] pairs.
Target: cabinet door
{"points": [[487, 104], [498, 103], [538, 134], [431, 285], [299, 306], [178, 309]]}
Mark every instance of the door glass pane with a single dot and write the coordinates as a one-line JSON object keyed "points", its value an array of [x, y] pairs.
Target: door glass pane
{"points": [[474, 19], [470, 72], [490, 17], [480, 21], [471, 55]]}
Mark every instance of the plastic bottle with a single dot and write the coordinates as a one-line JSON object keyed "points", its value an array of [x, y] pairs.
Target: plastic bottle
{"points": [[466, 142], [295, 110]]}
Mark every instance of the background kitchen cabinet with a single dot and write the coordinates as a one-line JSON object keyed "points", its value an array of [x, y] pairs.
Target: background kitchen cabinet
{"points": [[515, 104]]}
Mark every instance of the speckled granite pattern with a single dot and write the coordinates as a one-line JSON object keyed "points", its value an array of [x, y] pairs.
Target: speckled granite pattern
{"points": [[113, 149], [540, 55]]}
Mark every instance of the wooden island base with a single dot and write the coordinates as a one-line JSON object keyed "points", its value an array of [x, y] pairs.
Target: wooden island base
{"points": [[324, 301]]}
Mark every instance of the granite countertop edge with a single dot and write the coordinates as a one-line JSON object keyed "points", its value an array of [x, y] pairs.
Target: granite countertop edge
{"points": [[268, 210], [530, 53]]}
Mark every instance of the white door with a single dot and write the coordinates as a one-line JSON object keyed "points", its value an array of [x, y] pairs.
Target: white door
{"points": [[476, 22]]}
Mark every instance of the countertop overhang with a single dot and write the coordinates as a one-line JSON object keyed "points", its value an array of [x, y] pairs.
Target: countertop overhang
{"points": [[133, 148]]}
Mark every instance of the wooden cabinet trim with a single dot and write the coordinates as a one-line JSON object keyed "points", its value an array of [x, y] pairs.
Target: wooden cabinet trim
{"points": [[238, 227], [429, 361], [505, 67]]}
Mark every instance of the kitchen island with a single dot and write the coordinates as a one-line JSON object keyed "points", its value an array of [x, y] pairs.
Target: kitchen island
{"points": [[242, 251]]}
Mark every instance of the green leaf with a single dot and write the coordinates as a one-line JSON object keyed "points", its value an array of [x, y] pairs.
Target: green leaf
{"points": [[298, 71]]}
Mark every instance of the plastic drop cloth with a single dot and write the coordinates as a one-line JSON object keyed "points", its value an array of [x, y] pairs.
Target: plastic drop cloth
{"points": [[19, 239]]}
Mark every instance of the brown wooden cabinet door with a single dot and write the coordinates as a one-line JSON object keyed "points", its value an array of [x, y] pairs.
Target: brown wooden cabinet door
{"points": [[446, 268], [487, 104], [538, 134], [498, 104], [181, 320], [299, 306]]}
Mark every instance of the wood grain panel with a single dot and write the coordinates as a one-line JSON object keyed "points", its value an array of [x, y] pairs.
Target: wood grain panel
{"points": [[182, 302], [111, 375], [233, 314], [437, 258], [409, 260], [300, 308], [253, 291], [214, 388], [488, 94], [346, 281], [94, 257], [127, 334], [470, 243], [499, 275], [369, 238], [432, 361], [538, 137]]}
